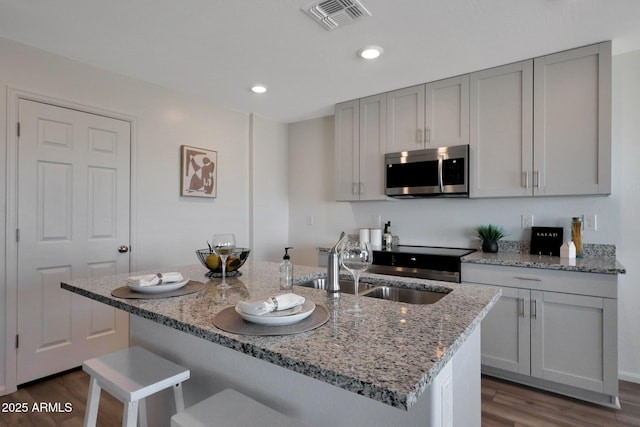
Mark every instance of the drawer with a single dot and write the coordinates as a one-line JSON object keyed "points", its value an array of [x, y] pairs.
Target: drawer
{"points": [[570, 282]]}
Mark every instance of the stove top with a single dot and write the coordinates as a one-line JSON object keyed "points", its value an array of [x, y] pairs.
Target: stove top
{"points": [[428, 262]]}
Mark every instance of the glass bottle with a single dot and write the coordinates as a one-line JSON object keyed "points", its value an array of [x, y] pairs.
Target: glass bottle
{"points": [[576, 234]]}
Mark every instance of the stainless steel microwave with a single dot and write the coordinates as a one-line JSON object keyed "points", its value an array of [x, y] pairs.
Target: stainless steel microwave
{"points": [[431, 172]]}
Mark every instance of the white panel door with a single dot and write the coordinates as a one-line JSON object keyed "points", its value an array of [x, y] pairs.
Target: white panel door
{"points": [[506, 335], [347, 150], [568, 339], [405, 119], [572, 122], [447, 112], [73, 214], [501, 136], [373, 146]]}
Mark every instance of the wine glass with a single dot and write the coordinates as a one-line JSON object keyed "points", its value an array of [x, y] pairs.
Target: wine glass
{"points": [[223, 245], [356, 256]]}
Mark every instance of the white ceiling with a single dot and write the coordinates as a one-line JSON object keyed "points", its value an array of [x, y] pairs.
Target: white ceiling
{"points": [[215, 49]]}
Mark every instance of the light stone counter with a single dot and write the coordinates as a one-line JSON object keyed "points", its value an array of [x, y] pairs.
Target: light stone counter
{"points": [[400, 348], [598, 259]]}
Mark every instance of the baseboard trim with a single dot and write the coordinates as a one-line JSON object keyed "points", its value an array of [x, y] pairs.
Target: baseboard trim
{"points": [[629, 376]]}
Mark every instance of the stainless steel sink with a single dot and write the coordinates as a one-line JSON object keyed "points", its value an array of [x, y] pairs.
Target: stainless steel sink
{"points": [[409, 296], [346, 286], [391, 293]]}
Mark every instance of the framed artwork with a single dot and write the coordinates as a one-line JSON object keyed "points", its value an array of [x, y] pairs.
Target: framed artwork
{"points": [[198, 172]]}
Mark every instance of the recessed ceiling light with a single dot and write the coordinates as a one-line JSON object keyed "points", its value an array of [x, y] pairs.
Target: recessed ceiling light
{"points": [[370, 52], [258, 88]]}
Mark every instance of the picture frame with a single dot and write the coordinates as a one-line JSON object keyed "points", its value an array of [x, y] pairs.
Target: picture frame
{"points": [[198, 172]]}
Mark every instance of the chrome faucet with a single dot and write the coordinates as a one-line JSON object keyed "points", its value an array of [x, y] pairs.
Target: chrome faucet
{"points": [[333, 268]]}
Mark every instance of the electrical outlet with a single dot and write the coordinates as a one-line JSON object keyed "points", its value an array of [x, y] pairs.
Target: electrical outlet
{"points": [[591, 222], [526, 221]]}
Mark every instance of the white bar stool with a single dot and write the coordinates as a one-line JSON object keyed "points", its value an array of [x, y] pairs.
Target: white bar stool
{"points": [[130, 375], [230, 408]]}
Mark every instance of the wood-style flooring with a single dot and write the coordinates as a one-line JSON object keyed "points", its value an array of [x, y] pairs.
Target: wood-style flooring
{"points": [[503, 404]]}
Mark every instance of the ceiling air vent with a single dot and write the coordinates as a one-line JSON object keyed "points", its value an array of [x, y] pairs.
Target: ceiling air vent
{"points": [[335, 13]]}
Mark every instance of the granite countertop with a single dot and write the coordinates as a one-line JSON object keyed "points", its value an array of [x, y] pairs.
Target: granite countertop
{"points": [[399, 347], [597, 259]]}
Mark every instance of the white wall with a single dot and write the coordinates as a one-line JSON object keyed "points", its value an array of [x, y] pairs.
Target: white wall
{"points": [[450, 222], [269, 198], [311, 191], [626, 175], [167, 228]]}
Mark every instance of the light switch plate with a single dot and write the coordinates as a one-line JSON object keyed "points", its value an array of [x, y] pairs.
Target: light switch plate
{"points": [[591, 222], [526, 221]]}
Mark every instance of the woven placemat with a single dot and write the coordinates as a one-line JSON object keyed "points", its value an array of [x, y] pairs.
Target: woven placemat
{"points": [[189, 288], [229, 320]]}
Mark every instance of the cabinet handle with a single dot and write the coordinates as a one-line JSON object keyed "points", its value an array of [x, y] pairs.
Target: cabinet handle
{"points": [[420, 136], [521, 307], [361, 185], [534, 309], [525, 179], [354, 191], [537, 178], [428, 136]]}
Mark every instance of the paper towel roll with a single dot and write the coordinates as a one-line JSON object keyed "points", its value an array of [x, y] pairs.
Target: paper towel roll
{"points": [[376, 237], [364, 234]]}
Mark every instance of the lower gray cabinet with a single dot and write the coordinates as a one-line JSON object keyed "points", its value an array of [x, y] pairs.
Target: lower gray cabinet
{"points": [[555, 330]]}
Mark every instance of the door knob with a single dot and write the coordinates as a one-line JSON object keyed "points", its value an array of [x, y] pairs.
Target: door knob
{"points": [[123, 249]]}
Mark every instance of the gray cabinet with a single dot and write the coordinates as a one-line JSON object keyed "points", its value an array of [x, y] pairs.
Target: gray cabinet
{"points": [[501, 135], [572, 122], [360, 145], [435, 114], [543, 127], [556, 330]]}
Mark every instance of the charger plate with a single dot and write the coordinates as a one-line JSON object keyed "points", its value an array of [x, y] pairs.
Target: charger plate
{"points": [[230, 321], [125, 292]]}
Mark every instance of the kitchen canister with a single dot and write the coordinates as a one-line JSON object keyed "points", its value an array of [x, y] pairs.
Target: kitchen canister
{"points": [[364, 235], [376, 237], [576, 234]]}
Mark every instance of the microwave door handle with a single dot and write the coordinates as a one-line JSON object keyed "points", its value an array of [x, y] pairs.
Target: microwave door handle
{"points": [[440, 177]]}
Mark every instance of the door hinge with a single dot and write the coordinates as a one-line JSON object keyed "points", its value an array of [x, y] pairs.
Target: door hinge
{"points": [[18, 129], [17, 235], [17, 341]]}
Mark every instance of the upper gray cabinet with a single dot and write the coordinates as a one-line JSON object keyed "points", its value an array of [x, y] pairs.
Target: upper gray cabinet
{"points": [[501, 136], [360, 146], [435, 114], [543, 127]]}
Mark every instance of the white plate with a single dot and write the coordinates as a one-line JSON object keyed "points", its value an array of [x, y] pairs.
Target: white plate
{"points": [[280, 318], [156, 289]]}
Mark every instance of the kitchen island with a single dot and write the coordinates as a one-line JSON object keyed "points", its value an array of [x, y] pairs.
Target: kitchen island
{"points": [[403, 364]]}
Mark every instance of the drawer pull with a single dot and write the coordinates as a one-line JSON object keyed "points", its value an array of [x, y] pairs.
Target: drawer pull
{"points": [[530, 279], [521, 307]]}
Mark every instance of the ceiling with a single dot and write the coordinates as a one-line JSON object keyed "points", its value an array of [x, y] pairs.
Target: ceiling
{"points": [[215, 49]]}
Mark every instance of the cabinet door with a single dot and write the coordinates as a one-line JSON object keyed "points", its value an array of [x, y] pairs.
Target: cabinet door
{"points": [[506, 333], [373, 146], [447, 112], [347, 150], [501, 137], [572, 340], [405, 119], [572, 122]]}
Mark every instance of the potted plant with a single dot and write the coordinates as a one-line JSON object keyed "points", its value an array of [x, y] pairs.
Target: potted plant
{"points": [[490, 234]]}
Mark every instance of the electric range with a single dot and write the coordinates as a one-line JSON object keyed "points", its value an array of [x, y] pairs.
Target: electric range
{"points": [[425, 262]]}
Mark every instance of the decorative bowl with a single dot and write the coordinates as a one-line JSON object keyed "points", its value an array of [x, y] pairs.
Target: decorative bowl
{"points": [[234, 261]]}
